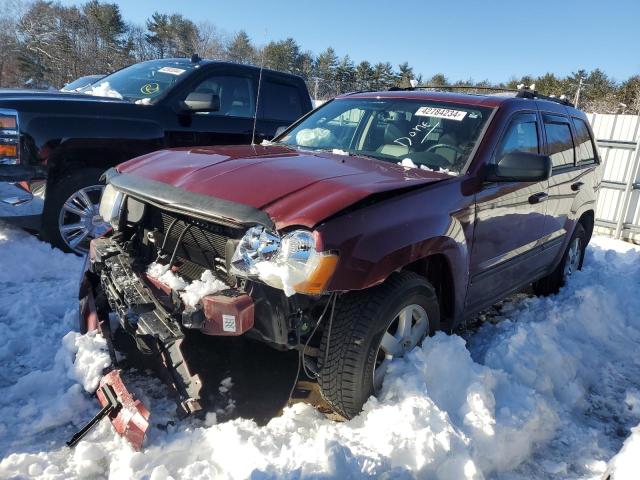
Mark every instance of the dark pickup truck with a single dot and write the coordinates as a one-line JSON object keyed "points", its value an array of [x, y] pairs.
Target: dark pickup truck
{"points": [[54, 146], [371, 223]]}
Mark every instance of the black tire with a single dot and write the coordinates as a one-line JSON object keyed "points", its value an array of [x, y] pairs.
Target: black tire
{"points": [[57, 195], [552, 283], [360, 320]]}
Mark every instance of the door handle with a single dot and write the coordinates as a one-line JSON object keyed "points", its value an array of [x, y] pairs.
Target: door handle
{"points": [[538, 197], [577, 186]]}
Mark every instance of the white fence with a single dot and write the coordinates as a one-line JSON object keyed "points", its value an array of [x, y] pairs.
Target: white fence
{"points": [[618, 209]]}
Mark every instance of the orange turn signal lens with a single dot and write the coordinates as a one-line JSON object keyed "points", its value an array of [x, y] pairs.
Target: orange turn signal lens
{"points": [[10, 151], [316, 283], [8, 123]]}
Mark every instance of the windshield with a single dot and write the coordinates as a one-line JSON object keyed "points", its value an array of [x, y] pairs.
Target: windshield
{"points": [[142, 82], [414, 133], [81, 82]]}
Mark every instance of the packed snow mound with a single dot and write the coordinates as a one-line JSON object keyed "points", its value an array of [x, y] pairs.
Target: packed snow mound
{"points": [[542, 391], [626, 464]]}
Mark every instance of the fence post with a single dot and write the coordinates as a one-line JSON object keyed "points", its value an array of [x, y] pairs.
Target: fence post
{"points": [[628, 191]]}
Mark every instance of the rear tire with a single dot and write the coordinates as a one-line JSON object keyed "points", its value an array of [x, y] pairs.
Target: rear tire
{"points": [[359, 325], [552, 283], [63, 190]]}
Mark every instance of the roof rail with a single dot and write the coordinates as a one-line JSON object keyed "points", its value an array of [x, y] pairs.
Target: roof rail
{"points": [[525, 92]]}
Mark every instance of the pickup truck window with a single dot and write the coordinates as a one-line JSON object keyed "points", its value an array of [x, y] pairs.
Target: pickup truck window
{"points": [[521, 136], [585, 148], [235, 92], [559, 141], [280, 102], [146, 80], [420, 133]]}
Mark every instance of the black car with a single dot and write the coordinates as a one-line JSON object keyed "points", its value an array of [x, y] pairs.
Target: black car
{"points": [[55, 146]]}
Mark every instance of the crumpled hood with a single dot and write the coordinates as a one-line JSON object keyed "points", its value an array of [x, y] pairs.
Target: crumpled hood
{"points": [[294, 187]]}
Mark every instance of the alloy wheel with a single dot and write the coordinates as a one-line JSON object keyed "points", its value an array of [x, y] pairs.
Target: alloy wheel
{"points": [[79, 220], [404, 333], [572, 262]]}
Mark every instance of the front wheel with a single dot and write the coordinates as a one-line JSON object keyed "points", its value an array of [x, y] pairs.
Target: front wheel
{"points": [[369, 329], [571, 262], [71, 217]]}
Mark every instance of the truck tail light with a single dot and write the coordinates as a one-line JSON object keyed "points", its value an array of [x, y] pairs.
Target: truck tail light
{"points": [[9, 137]]}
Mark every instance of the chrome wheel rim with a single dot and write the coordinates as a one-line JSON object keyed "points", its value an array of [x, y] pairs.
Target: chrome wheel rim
{"points": [[573, 257], [79, 220], [403, 334]]}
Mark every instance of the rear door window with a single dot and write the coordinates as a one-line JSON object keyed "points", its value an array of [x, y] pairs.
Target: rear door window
{"points": [[559, 141], [521, 136], [280, 101], [584, 142]]}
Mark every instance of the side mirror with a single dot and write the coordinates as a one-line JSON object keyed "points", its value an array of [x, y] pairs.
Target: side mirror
{"points": [[519, 167], [202, 102]]}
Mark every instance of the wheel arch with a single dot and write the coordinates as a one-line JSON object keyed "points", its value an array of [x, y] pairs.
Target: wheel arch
{"points": [[437, 269], [588, 220], [71, 161]]}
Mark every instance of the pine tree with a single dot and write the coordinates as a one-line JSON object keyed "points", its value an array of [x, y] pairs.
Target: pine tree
{"points": [[364, 76], [345, 75], [405, 75], [325, 70], [240, 49]]}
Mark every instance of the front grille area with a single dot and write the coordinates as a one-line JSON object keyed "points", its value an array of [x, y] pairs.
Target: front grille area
{"points": [[204, 245]]}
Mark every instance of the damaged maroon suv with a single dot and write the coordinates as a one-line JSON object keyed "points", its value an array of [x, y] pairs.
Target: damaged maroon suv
{"points": [[369, 224]]}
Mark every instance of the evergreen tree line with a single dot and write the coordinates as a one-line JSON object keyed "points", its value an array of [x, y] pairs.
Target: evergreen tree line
{"points": [[46, 44]]}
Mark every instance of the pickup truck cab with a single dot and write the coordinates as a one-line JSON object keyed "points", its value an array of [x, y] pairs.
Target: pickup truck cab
{"points": [[369, 224], [54, 146]]}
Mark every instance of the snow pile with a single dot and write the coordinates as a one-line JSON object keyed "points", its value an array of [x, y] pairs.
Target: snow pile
{"points": [[408, 163], [191, 293], [626, 464], [550, 390], [103, 89], [163, 274], [207, 285]]}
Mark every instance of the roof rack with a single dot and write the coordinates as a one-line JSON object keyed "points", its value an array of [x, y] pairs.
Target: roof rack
{"points": [[524, 92]]}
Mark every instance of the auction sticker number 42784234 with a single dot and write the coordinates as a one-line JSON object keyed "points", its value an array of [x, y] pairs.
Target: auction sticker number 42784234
{"points": [[457, 115]]}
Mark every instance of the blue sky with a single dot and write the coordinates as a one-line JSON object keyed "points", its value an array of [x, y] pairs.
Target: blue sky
{"points": [[463, 39]]}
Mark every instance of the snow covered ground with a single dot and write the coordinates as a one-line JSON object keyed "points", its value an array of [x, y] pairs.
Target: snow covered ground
{"points": [[548, 388]]}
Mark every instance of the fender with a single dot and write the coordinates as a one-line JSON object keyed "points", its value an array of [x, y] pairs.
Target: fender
{"points": [[54, 139], [383, 238]]}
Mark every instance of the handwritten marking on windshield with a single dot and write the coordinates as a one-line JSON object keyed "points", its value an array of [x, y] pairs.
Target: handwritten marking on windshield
{"points": [[419, 128]]}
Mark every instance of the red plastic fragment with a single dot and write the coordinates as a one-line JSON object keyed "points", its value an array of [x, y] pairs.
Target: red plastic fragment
{"points": [[228, 313], [131, 420]]}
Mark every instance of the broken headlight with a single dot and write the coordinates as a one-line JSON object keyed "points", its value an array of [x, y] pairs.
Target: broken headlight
{"points": [[290, 263], [111, 206]]}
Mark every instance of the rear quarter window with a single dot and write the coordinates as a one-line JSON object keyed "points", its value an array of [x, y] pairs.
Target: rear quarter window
{"points": [[280, 101], [585, 146], [559, 141]]}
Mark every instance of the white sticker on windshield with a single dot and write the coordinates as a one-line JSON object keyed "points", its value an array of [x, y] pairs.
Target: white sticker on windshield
{"points": [[436, 112], [172, 70]]}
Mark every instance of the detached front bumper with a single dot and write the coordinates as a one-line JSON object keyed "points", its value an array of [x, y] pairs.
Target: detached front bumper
{"points": [[112, 283]]}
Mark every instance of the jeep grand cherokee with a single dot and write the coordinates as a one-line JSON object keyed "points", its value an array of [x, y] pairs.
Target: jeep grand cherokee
{"points": [[369, 224]]}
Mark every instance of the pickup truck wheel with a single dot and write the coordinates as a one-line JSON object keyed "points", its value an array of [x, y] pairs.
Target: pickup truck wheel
{"points": [[570, 263], [369, 329], [71, 218]]}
